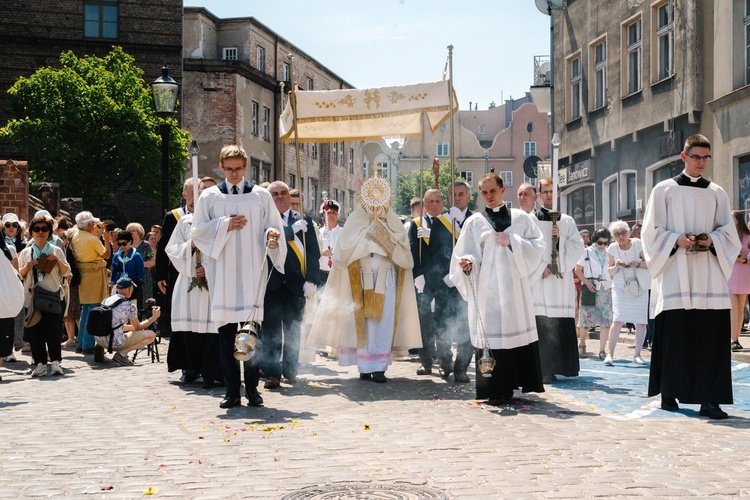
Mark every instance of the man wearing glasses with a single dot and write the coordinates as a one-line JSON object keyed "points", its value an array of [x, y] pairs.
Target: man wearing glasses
{"points": [[690, 245]]}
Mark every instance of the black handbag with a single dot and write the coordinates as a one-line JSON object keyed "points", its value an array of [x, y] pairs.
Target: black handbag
{"points": [[46, 301], [588, 298]]}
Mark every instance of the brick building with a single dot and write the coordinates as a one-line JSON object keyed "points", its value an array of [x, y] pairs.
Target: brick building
{"points": [[34, 34], [232, 94], [14, 188]]}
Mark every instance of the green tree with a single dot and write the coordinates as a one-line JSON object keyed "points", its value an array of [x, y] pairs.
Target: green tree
{"points": [[408, 186], [90, 125]]}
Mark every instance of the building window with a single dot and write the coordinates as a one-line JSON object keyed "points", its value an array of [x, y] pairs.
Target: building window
{"points": [[292, 181], [365, 173], [313, 191], [255, 170], [286, 73], [261, 62], [581, 205], [335, 153], [481, 130], [576, 77], [351, 160], [351, 200], [632, 35], [100, 19], [529, 180], [314, 150], [610, 203], [309, 84], [266, 123], [630, 191], [443, 149], [529, 148], [266, 172], [468, 176], [664, 60], [229, 53], [254, 119], [383, 170], [341, 156], [598, 58], [507, 177], [743, 173]]}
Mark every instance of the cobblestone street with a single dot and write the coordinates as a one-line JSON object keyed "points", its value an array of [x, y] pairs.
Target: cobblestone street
{"points": [[125, 432]]}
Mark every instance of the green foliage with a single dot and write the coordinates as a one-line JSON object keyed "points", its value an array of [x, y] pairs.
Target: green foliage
{"points": [[408, 187], [90, 125]]}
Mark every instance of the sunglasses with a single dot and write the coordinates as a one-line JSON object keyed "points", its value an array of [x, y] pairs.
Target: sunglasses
{"points": [[620, 233], [698, 157], [602, 243], [9, 225], [40, 229], [122, 243]]}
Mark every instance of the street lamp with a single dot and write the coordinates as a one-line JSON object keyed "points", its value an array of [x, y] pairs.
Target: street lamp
{"points": [[164, 90], [555, 180]]}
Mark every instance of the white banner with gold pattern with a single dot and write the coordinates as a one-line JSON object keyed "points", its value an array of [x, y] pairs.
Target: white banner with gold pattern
{"points": [[361, 114]]}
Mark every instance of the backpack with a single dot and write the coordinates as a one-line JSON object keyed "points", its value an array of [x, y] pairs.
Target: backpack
{"points": [[100, 321]]}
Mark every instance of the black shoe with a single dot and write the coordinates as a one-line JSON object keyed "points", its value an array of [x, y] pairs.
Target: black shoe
{"points": [[736, 346], [379, 377], [272, 383], [190, 376], [228, 402], [712, 411], [446, 370], [424, 371], [98, 354], [365, 376], [87, 351], [210, 384], [254, 399], [669, 404], [461, 378]]}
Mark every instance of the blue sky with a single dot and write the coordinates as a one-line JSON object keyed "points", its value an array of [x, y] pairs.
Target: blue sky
{"points": [[380, 43]]}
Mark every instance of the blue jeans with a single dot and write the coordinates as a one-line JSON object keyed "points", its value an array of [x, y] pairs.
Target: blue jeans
{"points": [[85, 340]]}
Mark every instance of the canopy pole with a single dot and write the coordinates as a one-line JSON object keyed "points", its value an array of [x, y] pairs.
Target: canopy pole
{"points": [[451, 143], [283, 146], [421, 181], [293, 101]]}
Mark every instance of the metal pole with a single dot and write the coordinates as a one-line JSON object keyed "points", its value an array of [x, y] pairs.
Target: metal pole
{"points": [[281, 144], [293, 101], [165, 128], [452, 140]]}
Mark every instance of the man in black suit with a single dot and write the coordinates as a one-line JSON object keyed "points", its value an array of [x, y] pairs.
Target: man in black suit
{"points": [[286, 293]]}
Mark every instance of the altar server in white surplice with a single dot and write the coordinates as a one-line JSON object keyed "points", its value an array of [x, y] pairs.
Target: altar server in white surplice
{"points": [[690, 244], [493, 266], [555, 296], [191, 304], [231, 225]]}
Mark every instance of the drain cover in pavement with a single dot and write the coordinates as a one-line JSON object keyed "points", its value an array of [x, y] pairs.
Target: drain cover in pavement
{"points": [[379, 491]]}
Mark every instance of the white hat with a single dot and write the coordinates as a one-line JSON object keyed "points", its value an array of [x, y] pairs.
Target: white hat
{"points": [[330, 204], [10, 217], [47, 216]]}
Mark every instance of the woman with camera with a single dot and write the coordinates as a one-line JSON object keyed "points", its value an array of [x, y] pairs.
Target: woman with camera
{"points": [[631, 282], [42, 266]]}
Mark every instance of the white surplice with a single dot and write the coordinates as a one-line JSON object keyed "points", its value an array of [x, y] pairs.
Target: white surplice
{"points": [[501, 294], [234, 260], [556, 297], [191, 311], [681, 280]]}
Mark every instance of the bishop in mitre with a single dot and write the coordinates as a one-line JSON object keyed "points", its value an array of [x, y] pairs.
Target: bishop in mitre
{"points": [[369, 307]]}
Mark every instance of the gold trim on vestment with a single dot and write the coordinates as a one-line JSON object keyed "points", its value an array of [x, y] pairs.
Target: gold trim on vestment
{"points": [[418, 222], [399, 291], [355, 278], [448, 226], [298, 253]]}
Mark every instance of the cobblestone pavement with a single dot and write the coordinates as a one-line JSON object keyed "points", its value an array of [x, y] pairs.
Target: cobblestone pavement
{"points": [[126, 432]]}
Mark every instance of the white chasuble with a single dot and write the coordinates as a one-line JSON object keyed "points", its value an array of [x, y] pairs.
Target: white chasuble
{"points": [[190, 309], [234, 260], [556, 297], [682, 280], [498, 288]]}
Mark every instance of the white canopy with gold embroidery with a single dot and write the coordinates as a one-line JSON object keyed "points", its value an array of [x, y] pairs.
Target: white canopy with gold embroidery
{"points": [[362, 114]]}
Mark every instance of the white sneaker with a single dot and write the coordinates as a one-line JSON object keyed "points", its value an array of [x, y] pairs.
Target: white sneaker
{"points": [[639, 360], [10, 358], [69, 343], [55, 368], [40, 370], [608, 361]]}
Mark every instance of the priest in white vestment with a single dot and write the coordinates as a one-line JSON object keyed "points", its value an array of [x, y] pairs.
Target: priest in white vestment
{"points": [[231, 226], [497, 254], [554, 293], [690, 244], [369, 307], [191, 303]]}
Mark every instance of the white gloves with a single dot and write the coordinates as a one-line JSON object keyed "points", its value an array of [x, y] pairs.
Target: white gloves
{"points": [[447, 281], [423, 232], [453, 213], [419, 283], [308, 288], [300, 225]]}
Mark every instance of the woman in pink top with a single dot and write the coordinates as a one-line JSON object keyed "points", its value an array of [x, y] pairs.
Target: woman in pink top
{"points": [[739, 282]]}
